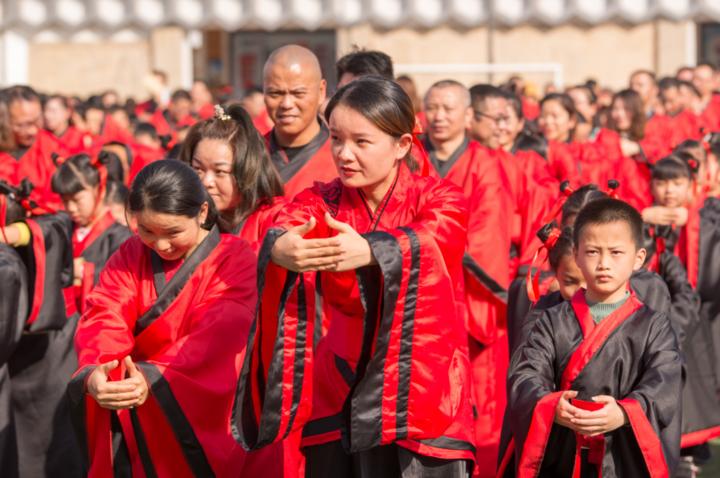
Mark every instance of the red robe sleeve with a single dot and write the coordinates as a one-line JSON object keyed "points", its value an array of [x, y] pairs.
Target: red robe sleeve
{"points": [[562, 162], [194, 348], [417, 268]]}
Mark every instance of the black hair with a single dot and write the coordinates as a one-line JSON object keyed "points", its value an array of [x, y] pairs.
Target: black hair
{"points": [[117, 193], [565, 101], [673, 166], [178, 95], [365, 62], [563, 247], [146, 128], [578, 199], [667, 83], [20, 93], [170, 187], [78, 173], [690, 86], [608, 210], [483, 91], [515, 103]]}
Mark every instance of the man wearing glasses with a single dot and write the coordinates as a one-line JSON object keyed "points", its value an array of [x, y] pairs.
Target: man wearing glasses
{"points": [[464, 162], [30, 154]]}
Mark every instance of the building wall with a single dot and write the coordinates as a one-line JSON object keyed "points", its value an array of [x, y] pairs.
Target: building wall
{"points": [[608, 52], [89, 67]]}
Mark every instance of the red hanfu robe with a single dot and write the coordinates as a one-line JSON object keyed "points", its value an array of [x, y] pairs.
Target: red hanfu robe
{"points": [[567, 351], [185, 326], [110, 132], [36, 164], [484, 180], [562, 162], [313, 162], [393, 367], [143, 155], [103, 239], [74, 140]]}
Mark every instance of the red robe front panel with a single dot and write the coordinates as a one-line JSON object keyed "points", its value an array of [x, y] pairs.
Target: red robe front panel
{"points": [[313, 163], [185, 326], [393, 367]]}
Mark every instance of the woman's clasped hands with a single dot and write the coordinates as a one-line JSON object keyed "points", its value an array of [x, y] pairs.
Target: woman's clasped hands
{"points": [[347, 250]]}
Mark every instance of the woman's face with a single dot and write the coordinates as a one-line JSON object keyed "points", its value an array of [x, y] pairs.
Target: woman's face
{"points": [[620, 115], [213, 162], [555, 122], [172, 236], [56, 115], [81, 206], [512, 128], [364, 155]]}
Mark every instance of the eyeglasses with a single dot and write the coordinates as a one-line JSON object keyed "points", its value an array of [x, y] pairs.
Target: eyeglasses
{"points": [[495, 119]]}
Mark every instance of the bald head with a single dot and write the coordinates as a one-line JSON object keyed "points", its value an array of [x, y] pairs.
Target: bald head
{"points": [[294, 91], [294, 58]]}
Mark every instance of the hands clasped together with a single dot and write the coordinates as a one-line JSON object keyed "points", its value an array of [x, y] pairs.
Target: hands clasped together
{"points": [[590, 423], [345, 251], [130, 392]]}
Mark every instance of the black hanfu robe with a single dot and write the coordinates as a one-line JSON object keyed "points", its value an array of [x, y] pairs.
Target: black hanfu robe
{"points": [[632, 355]]}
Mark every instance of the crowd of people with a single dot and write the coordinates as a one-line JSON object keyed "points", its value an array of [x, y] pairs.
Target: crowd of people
{"points": [[376, 283]]}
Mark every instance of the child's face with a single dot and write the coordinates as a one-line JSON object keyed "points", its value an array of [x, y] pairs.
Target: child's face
{"points": [[569, 276], [81, 206], [670, 192], [607, 256]]}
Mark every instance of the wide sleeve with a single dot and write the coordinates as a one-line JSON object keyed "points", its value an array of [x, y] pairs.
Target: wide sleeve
{"points": [[13, 302], [105, 331], [654, 404], [274, 390], [685, 310], [531, 378]]}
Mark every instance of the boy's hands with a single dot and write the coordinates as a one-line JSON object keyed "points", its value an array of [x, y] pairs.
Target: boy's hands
{"points": [[565, 412], [608, 418]]}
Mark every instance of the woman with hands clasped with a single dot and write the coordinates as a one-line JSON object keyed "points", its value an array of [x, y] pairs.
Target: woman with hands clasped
{"points": [[389, 395], [161, 342]]}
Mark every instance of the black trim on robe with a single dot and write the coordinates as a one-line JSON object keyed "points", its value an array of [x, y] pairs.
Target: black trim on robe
{"points": [[245, 426], [406, 336], [184, 433], [496, 289], [443, 167], [289, 167], [57, 235], [178, 281], [365, 396], [143, 449], [323, 425]]}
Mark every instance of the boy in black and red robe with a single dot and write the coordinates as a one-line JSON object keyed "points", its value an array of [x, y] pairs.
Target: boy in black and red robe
{"points": [[595, 390]]}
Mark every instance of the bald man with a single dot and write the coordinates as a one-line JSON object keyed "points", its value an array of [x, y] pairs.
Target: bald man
{"points": [[299, 142], [477, 171]]}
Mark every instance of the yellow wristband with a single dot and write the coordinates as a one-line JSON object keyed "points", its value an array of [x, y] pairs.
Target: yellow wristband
{"points": [[24, 235]]}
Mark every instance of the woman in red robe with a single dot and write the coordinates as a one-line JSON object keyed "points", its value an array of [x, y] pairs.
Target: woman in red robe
{"points": [[161, 344], [387, 388]]}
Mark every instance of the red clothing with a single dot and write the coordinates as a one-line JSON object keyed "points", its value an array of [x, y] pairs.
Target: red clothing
{"points": [[38, 166], [206, 111], [402, 374], [483, 177], [185, 325], [75, 141], [142, 156], [111, 133], [263, 123], [530, 108], [685, 125], [312, 163], [562, 162]]}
